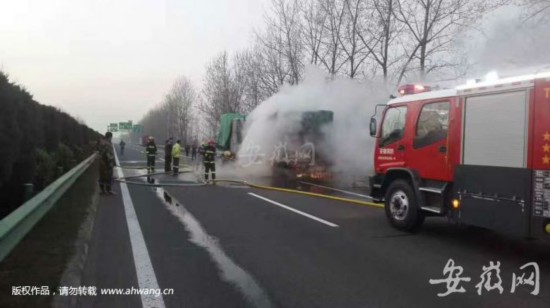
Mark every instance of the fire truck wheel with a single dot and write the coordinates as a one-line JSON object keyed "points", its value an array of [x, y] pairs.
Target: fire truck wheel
{"points": [[401, 206]]}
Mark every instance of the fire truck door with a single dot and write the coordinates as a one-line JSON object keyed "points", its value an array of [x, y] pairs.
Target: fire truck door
{"points": [[429, 153], [391, 150]]}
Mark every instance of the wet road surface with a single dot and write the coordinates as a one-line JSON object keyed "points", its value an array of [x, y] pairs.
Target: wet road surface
{"points": [[233, 246]]}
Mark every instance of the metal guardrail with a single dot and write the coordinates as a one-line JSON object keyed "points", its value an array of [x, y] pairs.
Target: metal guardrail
{"points": [[16, 225]]}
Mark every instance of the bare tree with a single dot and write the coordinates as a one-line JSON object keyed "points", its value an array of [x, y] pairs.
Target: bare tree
{"points": [[282, 41], [314, 19], [247, 67], [536, 9], [332, 50], [379, 32], [173, 116], [431, 27], [222, 93], [273, 70], [351, 40], [154, 123], [180, 100]]}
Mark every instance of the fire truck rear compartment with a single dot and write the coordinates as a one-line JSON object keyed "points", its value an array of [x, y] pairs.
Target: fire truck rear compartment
{"points": [[494, 197], [495, 130], [493, 182]]}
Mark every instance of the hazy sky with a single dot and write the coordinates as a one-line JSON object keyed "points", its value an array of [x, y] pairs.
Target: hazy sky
{"points": [[111, 61]]}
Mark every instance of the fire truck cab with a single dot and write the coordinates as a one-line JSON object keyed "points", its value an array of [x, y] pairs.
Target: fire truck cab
{"points": [[478, 154]]}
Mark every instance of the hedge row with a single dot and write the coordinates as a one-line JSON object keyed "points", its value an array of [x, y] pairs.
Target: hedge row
{"points": [[38, 143]]}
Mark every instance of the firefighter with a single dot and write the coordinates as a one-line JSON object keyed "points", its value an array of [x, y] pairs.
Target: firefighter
{"points": [[176, 152], [200, 151], [121, 145], [168, 146], [106, 164], [210, 160], [151, 152]]}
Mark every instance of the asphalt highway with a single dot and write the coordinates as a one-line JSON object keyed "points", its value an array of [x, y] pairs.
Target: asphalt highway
{"points": [[229, 245]]}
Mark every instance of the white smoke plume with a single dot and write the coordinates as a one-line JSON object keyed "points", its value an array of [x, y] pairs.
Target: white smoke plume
{"points": [[349, 141], [511, 45]]}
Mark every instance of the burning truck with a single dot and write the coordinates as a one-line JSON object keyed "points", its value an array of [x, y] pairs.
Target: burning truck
{"points": [[297, 149]]}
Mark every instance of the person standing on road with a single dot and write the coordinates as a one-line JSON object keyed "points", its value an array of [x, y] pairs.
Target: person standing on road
{"points": [[122, 144], [210, 160], [168, 155], [187, 148], [106, 164], [151, 152], [176, 152], [194, 150], [201, 154]]}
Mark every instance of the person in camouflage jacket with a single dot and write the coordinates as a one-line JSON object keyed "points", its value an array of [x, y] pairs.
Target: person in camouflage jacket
{"points": [[106, 164]]}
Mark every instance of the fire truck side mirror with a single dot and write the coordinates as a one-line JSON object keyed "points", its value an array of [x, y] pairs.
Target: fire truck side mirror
{"points": [[373, 127]]}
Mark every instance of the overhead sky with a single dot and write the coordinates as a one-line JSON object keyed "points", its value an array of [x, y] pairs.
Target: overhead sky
{"points": [[109, 61]]}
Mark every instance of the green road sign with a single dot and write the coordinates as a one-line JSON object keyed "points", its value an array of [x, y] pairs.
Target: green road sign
{"points": [[113, 127], [125, 125], [138, 129]]}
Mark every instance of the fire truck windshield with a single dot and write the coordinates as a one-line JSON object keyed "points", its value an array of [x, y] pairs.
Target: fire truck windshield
{"points": [[393, 125]]}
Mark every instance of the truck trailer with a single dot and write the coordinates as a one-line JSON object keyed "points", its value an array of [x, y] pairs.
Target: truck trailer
{"points": [[304, 149], [230, 134], [300, 150]]}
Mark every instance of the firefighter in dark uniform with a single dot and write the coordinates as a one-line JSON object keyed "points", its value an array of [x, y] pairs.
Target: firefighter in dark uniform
{"points": [[151, 152], [210, 160], [168, 155]]}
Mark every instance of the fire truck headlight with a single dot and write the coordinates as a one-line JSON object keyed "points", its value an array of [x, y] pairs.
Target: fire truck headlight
{"points": [[547, 228], [456, 204]]}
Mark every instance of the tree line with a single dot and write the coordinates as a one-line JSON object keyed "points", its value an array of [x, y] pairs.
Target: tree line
{"points": [[389, 40], [39, 143], [174, 116]]}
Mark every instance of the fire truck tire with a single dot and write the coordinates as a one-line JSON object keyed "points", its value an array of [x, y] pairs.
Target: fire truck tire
{"points": [[401, 206]]}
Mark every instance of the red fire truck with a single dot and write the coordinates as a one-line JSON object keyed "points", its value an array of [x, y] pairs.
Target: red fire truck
{"points": [[478, 154]]}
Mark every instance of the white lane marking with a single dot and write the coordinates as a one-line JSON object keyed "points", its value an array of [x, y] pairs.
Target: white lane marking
{"points": [[328, 223], [229, 270], [339, 190], [144, 268]]}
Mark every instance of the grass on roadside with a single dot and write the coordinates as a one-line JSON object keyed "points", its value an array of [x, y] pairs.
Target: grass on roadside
{"points": [[40, 259]]}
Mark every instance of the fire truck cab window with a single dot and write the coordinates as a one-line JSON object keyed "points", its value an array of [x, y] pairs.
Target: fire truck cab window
{"points": [[432, 125], [393, 127]]}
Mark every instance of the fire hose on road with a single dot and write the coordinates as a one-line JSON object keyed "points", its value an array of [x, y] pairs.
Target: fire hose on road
{"points": [[244, 184]]}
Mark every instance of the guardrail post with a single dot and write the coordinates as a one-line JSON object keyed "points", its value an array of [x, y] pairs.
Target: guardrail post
{"points": [[18, 223], [29, 190]]}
